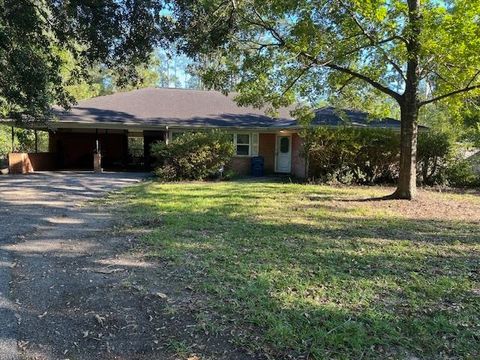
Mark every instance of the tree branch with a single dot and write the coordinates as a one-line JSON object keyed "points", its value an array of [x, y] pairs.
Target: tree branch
{"points": [[473, 78], [314, 61], [374, 42], [456, 92], [273, 31], [298, 77], [344, 85], [365, 78]]}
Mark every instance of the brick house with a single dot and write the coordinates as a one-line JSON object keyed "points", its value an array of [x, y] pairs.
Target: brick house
{"points": [[124, 125]]}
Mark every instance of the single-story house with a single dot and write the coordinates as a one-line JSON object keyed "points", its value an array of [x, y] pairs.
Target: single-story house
{"points": [[125, 124]]}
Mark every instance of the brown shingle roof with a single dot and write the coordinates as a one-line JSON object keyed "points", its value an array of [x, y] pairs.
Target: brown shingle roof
{"points": [[170, 107], [161, 107]]}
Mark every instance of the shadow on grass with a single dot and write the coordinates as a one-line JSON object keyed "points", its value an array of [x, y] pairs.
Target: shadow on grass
{"points": [[328, 286]]}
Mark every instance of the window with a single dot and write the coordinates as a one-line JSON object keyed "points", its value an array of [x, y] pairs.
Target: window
{"points": [[284, 145], [243, 144], [246, 144]]}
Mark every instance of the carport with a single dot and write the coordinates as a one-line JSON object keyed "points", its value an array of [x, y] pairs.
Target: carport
{"points": [[73, 148]]}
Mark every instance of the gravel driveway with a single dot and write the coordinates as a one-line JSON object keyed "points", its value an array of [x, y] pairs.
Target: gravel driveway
{"points": [[48, 258], [75, 284]]}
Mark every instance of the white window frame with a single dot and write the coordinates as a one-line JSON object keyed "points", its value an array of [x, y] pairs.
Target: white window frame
{"points": [[252, 143]]}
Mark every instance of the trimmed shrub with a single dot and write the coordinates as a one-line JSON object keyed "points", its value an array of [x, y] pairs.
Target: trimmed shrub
{"points": [[193, 156]]}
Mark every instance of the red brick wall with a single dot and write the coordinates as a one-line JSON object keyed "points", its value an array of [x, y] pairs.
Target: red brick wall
{"points": [[23, 163], [266, 148], [241, 165], [42, 161], [19, 163], [298, 161]]}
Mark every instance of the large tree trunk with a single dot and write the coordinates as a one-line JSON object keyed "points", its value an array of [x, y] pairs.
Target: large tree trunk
{"points": [[407, 182]]}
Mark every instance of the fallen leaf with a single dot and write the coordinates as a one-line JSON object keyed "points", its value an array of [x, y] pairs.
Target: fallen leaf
{"points": [[100, 319], [43, 315], [161, 295]]}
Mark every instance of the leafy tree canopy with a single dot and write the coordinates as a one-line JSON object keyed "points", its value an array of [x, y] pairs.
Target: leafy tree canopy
{"points": [[101, 80], [281, 49], [37, 38]]}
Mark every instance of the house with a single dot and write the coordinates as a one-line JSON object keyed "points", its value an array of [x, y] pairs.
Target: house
{"points": [[122, 127]]}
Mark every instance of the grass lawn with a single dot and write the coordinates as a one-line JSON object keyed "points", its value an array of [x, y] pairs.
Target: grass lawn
{"points": [[310, 271]]}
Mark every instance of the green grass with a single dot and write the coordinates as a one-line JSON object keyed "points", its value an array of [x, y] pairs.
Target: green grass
{"points": [[297, 271]]}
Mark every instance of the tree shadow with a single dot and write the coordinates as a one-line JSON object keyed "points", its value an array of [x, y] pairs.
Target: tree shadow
{"points": [[328, 287]]}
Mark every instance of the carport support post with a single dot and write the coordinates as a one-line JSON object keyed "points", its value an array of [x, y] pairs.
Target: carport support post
{"points": [[97, 157], [13, 139], [36, 141]]}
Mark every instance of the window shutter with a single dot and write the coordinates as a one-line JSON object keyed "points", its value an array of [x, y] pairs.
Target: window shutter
{"points": [[255, 144]]}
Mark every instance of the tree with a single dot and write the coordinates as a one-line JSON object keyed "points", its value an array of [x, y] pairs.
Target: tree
{"points": [[175, 70], [411, 51], [103, 81], [36, 38]]}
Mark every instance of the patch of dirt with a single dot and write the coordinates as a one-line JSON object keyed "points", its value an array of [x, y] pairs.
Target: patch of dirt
{"points": [[429, 205]]}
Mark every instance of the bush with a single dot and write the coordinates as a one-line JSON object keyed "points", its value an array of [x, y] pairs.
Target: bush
{"points": [[461, 174], [5, 141], [435, 152], [193, 156], [371, 156], [350, 155]]}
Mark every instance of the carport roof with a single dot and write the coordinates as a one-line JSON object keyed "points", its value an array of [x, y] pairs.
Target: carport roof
{"points": [[152, 108]]}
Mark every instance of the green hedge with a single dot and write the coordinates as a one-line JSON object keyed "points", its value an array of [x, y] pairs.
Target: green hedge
{"points": [[193, 156], [350, 155], [371, 156]]}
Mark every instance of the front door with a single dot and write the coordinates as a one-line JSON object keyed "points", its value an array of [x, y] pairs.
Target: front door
{"points": [[283, 154]]}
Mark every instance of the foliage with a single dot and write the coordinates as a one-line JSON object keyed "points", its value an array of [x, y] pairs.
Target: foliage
{"points": [[35, 37], [370, 156], [350, 155], [460, 173], [5, 141], [249, 40], [24, 140], [306, 271], [435, 152], [193, 156], [101, 81], [471, 122], [413, 52]]}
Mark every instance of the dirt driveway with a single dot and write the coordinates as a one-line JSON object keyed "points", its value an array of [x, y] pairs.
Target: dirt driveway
{"points": [[52, 261]]}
